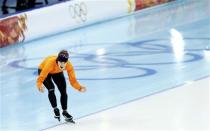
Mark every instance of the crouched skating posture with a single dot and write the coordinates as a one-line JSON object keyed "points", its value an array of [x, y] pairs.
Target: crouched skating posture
{"points": [[51, 70]]}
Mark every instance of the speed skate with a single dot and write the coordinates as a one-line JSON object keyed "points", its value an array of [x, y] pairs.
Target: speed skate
{"points": [[67, 119], [70, 121]]}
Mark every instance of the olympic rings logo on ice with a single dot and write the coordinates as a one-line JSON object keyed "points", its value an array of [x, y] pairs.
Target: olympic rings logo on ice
{"points": [[78, 11]]}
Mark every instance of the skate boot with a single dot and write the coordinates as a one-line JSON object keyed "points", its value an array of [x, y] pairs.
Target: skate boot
{"points": [[57, 114], [68, 117]]}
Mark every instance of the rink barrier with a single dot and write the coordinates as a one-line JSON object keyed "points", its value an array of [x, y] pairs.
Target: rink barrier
{"points": [[42, 22]]}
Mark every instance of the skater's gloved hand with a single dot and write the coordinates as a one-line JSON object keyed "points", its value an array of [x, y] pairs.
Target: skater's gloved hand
{"points": [[41, 89], [82, 89]]}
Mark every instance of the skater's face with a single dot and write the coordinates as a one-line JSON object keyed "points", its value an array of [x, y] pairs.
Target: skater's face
{"points": [[61, 65]]}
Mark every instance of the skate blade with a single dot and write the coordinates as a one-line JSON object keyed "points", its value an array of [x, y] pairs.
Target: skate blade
{"points": [[70, 121], [59, 119]]}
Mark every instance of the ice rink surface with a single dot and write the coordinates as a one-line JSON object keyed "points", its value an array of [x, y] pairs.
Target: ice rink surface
{"points": [[146, 71]]}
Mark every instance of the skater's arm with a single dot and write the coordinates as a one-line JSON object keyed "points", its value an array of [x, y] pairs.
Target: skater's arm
{"points": [[43, 74], [72, 77]]}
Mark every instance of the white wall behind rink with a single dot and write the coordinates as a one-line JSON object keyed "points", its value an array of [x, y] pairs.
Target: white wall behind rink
{"points": [[72, 14]]}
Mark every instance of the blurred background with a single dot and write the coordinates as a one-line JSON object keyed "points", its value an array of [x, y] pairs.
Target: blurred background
{"points": [[13, 6]]}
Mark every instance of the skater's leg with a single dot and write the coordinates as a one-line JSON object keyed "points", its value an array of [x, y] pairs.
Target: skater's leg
{"points": [[50, 87], [51, 94], [59, 80], [52, 98]]}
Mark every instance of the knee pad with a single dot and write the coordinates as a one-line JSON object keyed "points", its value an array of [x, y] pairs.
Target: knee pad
{"points": [[50, 90]]}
